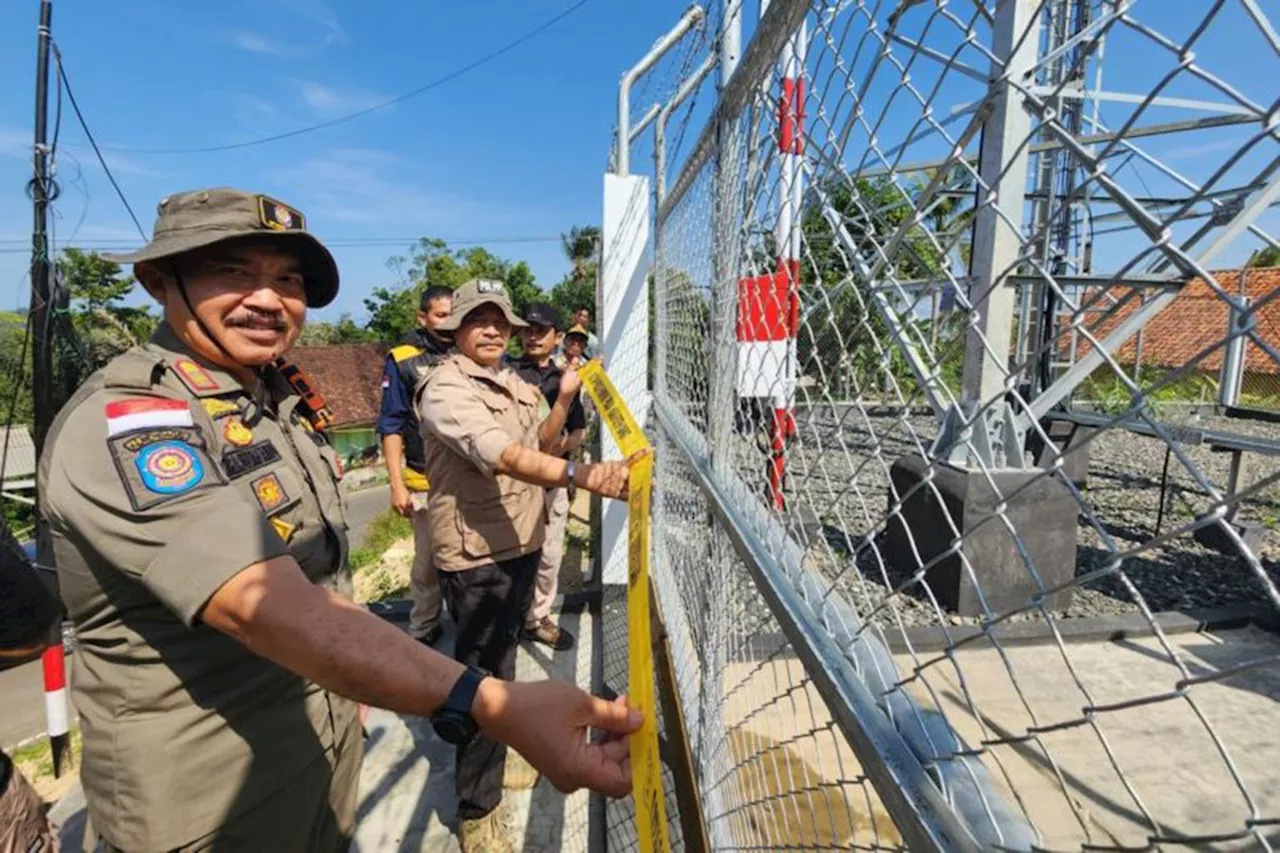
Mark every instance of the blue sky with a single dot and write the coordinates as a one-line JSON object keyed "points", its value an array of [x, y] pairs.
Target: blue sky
{"points": [[514, 149]]}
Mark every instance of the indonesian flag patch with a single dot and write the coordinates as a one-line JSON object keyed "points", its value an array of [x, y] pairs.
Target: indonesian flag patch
{"points": [[135, 413]]}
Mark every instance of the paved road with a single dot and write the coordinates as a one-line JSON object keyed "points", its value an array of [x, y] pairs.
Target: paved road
{"points": [[362, 506], [22, 690]]}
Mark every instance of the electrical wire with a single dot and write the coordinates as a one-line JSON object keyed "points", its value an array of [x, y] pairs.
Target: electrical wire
{"points": [[439, 81], [62, 73]]}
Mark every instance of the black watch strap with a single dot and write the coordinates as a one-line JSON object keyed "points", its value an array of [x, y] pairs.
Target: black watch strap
{"points": [[454, 722]]}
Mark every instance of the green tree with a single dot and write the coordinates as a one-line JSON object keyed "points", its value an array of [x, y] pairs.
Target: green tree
{"points": [[15, 370], [581, 246], [843, 339], [325, 333], [393, 310], [1268, 256], [96, 289]]}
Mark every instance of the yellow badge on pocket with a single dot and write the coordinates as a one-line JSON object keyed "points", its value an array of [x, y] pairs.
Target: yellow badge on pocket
{"points": [[235, 432], [219, 408], [284, 528]]}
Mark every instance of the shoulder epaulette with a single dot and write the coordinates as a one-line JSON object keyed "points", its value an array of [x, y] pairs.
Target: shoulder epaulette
{"points": [[404, 352], [136, 368]]}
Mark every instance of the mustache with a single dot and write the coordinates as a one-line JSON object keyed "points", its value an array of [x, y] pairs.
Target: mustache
{"points": [[256, 320]]}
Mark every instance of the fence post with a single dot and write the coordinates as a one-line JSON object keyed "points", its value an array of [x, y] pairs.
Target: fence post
{"points": [[1231, 378]]}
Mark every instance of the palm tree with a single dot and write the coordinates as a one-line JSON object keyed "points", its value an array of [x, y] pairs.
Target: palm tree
{"points": [[582, 247]]}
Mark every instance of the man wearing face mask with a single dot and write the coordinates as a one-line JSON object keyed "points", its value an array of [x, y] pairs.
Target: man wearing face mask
{"points": [[200, 537], [485, 431]]}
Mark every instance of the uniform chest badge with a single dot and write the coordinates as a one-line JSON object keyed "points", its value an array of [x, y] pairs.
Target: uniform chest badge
{"points": [[269, 492], [169, 467], [284, 528], [219, 408], [235, 432]]}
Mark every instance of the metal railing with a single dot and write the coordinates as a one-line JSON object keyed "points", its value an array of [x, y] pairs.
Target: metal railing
{"points": [[908, 233]]}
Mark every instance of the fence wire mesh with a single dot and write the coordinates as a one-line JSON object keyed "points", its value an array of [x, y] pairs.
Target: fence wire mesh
{"points": [[940, 328]]}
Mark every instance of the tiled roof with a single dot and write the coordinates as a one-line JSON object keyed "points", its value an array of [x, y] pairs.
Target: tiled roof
{"points": [[18, 453], [1196, 320], [349, 376]]}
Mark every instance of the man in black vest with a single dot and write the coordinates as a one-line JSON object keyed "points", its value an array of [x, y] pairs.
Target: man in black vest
{"points": [[403, 451]]}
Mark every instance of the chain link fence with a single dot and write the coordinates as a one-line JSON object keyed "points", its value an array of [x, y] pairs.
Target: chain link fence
{"points": [[929, 530]]}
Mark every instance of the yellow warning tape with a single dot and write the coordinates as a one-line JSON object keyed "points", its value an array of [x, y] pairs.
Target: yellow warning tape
{"points": [[646, 770]]}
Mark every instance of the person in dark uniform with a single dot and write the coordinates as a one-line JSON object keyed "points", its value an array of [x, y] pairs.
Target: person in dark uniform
{"points": [[537, 366], [200, 536], [407, 365]]}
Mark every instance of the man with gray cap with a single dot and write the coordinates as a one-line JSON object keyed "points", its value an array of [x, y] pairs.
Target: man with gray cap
{"points": [[484, 427], [201, 543]]}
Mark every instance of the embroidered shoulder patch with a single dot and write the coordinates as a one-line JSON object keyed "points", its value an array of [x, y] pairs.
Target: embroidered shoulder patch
{"points": [[161, 464], [169, 467], [241, 461]]}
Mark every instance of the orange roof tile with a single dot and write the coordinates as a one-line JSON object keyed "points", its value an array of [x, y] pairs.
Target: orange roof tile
{"points": [[1197, 321]]}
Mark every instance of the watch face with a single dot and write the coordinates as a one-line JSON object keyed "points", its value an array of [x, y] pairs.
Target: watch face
{"points": [[453, 729]]}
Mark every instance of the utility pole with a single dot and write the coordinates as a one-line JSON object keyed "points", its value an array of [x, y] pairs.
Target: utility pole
{"points": [[53, 660], [41, 292]]}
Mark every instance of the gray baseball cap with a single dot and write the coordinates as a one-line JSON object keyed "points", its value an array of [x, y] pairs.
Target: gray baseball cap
{"points": [[202, 218], [474, 293]]}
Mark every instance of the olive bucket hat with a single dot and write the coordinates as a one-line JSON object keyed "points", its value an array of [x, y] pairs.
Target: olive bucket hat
{"points": [[202, 218], [471, 295]]}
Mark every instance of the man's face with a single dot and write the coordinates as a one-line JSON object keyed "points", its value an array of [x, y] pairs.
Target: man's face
{"points": [[251, 297], [582, 317], [573, 347], [438, 310], [539, 341], [483, 335]]}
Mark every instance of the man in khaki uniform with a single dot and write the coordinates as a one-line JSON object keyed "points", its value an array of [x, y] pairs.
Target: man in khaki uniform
{"points": [[200, 537], [484, 426]]}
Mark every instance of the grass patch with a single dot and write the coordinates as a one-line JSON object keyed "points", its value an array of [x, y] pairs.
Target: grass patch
{"points": [[387, 528], [35, 762]]}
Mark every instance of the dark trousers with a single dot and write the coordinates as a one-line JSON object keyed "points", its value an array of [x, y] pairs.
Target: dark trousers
{"points": [[488, 604]]}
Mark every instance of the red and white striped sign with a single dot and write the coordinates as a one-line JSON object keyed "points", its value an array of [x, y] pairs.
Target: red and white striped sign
{"points": [[144, 412]]}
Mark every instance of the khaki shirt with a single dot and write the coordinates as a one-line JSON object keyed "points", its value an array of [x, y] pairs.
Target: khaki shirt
{"points": [[159, 486], [469, 415]]}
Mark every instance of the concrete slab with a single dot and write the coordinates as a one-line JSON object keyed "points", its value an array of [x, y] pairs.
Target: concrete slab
{"points": [[407, 782], [1150, 761]]}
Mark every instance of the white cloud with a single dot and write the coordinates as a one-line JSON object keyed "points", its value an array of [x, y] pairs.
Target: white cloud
{"points": [[372, 187], [327, 102], [259, 43], [319, 13], [15, 142]]}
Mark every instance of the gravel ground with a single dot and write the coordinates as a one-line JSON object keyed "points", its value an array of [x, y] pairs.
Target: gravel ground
{"points": [[839, 466]]}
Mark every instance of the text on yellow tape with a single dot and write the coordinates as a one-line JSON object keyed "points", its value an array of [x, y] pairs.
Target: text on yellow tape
{"points": [[646, 770]]}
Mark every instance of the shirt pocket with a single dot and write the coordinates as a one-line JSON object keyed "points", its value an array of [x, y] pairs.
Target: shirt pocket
{"points": [[489, 523]]}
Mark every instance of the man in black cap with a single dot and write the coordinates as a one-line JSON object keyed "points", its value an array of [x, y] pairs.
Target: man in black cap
{"points": [[537, 366]]}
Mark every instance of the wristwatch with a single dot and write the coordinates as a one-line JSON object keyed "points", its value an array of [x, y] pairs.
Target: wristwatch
{"points": [[454, 722], [570, 471]]}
